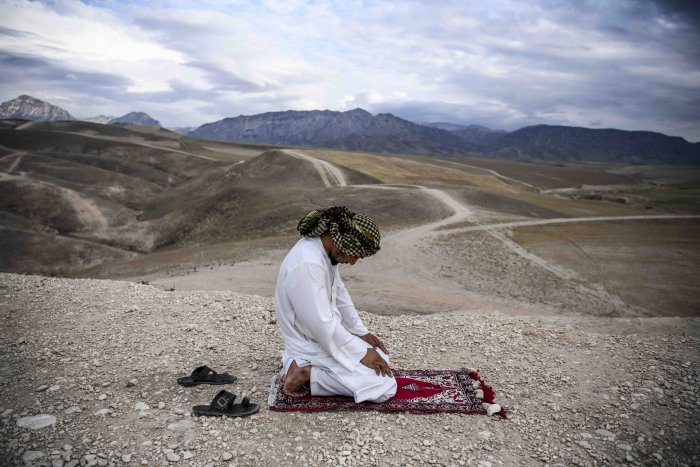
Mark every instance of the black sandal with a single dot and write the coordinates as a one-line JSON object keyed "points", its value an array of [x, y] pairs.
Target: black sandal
{"points": [[222, 405], [205, 375]]}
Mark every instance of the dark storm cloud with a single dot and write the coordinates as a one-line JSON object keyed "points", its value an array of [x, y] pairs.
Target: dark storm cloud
{"points": [[682, 11]]}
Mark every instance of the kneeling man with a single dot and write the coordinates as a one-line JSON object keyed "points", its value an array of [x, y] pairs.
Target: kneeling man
{"points": [[327, 347]]}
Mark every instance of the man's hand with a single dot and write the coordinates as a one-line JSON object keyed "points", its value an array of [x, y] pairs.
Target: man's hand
{"points": [[373, 360], [374, 341]]}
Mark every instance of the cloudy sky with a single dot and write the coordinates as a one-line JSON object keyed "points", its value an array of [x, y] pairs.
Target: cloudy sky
{"points": [[501, 63]]}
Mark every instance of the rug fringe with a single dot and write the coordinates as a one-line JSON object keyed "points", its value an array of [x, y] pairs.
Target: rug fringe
{"points": [[489, 393], [273, 385]]}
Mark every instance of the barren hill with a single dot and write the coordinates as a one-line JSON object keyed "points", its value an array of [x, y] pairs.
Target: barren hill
{"points": [[92, 192]]}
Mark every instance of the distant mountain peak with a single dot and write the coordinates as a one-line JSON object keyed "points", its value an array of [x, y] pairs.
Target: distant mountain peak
{"points": [[103, 119], [136, 118], [26, 107]]}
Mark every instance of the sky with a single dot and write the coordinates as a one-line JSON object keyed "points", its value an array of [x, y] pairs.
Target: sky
{"points": [[504, 64]]}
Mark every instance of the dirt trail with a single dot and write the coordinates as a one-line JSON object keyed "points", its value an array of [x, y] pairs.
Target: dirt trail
{"points": [[407, 280], [330, 174], [562, 220], [146, 145], [18, 159]]}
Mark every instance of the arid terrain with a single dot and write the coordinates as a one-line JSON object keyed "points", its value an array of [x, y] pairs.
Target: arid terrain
{"points": [[571, 287]]}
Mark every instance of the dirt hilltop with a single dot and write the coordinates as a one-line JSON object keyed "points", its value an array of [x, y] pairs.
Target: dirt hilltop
{"points": [[96, 361]]}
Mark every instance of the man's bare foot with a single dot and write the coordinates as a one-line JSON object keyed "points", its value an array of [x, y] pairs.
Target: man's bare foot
{"points": [[296, 379]]}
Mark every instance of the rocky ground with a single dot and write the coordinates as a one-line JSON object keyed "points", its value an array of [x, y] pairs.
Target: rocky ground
{"points": [[88, 377]]}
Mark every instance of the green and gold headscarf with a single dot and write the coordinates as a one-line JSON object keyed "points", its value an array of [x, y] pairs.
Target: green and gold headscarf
{"points": [[354, 234]]}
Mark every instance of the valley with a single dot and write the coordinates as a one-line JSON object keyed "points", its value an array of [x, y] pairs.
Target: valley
{"points": [[143, 204]]}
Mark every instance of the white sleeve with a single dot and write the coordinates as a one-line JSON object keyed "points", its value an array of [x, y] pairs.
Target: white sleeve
{"points": [[351, 319], [306, 289]]}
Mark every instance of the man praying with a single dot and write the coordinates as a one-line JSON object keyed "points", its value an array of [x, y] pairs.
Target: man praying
{"points": [[328, 350]]}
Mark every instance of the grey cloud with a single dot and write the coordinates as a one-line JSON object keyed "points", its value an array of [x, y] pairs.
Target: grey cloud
{"points": [[5, 31], [226, 80], [19, 67]]}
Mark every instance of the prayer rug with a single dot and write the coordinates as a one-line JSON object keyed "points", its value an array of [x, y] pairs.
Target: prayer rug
{"points": [[421, 391]]}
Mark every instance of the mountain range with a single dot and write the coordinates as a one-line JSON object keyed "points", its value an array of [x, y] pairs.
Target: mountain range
{"points": [[354, 130], [27, 107], [358, 130]]}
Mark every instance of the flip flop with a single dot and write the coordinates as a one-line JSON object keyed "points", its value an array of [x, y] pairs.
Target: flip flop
{"points": [[205, 375], [222, 405]]}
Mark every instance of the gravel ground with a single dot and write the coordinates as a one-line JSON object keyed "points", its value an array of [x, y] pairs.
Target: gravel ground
{"points": [[95, 363]]}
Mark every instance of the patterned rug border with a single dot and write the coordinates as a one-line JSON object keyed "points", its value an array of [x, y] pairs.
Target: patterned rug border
{"points": [[488, 396]]}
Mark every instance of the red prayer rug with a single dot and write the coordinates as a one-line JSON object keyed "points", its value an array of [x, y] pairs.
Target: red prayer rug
{"points": [[421, 391]]}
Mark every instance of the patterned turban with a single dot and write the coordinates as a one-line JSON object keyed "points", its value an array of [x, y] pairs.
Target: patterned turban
{"points": [[354, 234]]}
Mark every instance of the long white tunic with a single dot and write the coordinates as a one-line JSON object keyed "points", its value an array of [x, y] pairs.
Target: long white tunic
{"points": [[316, 315], [321, 327]]}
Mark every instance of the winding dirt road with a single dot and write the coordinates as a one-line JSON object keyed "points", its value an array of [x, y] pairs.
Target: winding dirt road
{"points": [[330, 174], [411, 274], [393, 281]]}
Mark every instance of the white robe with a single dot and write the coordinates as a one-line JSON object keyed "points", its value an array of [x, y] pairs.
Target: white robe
{"points": [[321, 326]]}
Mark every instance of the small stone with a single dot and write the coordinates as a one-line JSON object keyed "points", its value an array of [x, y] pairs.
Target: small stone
{"points": [[142, 406], [67, 447], [126, 458], [605, 434], [36, 422], [41, 388], [102, 412], [171, 456], [187, 455], [131, 383], [55, 387], [102, 397], [657, 456], [316, 434], [299, 448], [624, 447], [161, 405], [73, 409], [30, 457], [485, 434], [227, 456], [19, 341], [379, 439]]}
